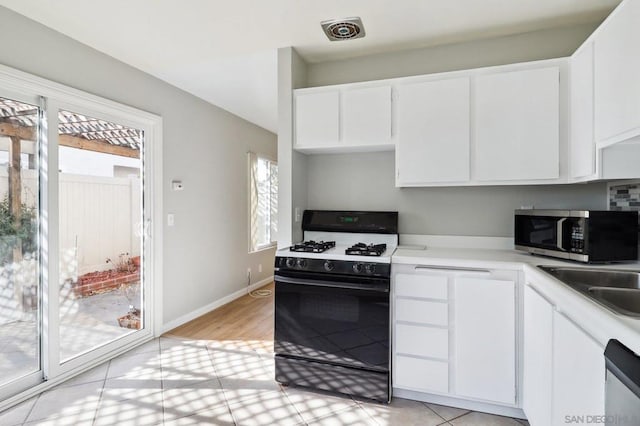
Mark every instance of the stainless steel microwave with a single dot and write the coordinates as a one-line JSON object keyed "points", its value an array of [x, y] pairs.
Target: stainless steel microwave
{"points": [[588, 236]]}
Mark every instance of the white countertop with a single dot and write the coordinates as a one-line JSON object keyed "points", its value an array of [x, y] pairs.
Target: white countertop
{"points": [[598, 321]]}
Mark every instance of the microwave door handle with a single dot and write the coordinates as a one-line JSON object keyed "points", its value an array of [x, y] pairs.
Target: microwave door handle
{"points": [[559, 234]]}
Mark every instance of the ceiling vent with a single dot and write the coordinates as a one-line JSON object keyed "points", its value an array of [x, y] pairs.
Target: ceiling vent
{"points": [[343, 29]]}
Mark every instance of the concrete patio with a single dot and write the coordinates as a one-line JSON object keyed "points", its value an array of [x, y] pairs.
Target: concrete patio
{"points": [[85, 323]]}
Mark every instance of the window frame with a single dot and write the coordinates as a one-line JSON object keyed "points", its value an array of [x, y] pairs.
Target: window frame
{"points": [[274, 242]]}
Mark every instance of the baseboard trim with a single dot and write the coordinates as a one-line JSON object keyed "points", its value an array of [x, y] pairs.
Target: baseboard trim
{"points": [[214, 305], [451, 401]]}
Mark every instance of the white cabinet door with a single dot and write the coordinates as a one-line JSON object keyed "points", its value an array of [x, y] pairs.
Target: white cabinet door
{"points": [[578, 372], [366, 116], [317, 119], [538, 358], [485, 339], [433, 132], [422, 375], [581, 140], [617, 67], [420, 329], [517, 125]]}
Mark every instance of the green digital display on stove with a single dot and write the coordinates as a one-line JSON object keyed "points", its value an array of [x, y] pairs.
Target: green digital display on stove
{"points": [[348, 219]]}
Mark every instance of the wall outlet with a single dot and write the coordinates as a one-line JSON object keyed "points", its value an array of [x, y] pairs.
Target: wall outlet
{"points": [[171, 219], [177, 185], [297, 215], [259, 267]]}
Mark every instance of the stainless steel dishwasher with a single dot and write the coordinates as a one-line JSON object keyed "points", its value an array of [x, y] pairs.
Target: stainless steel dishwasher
{"points": [[622, 389]]}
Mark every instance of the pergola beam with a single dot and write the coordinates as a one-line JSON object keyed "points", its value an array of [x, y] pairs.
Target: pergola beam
{"points": [[28, 133], [15, 190], [97, 146]]}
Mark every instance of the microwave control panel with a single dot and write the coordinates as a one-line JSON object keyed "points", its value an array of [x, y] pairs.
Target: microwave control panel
{"points": [[577, 237]]}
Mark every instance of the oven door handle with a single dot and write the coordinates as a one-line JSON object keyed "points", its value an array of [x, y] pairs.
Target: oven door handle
{"points": [[320, 283]]}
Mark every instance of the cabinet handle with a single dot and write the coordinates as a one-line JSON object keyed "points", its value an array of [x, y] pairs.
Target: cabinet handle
{"points": [[452, 268]]}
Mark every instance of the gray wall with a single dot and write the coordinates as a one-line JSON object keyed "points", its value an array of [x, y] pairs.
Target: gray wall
{"points": [[205, 254], [292, 178], [366, 181], [555, 43]]}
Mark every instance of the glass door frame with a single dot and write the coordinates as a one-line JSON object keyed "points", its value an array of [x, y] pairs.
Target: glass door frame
{"points": [[54, 96], [56, 366], [36, 377]]}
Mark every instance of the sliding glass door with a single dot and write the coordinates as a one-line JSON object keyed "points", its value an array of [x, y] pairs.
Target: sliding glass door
{"points": [[101, 246], [20, 284], [77, 181], [100, 208]]}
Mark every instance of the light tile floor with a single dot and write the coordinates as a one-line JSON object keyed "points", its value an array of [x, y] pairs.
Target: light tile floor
{"points": [[190, 382]]}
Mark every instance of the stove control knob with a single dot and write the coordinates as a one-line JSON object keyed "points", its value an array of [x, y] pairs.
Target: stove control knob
{"points": [[291, 262], [370, 268], [329, 266], [302, 263], [357, 268]]}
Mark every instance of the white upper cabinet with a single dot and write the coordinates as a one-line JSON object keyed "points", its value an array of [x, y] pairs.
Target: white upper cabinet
{"points": [[488, 126], [433, 132], [343, 119], [617, 71], [366, 117], [517, 134], [317, 119], [485, 339], [581, 140]]}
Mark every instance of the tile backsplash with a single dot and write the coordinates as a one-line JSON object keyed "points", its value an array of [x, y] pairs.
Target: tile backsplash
{"points": [[624, 197]]}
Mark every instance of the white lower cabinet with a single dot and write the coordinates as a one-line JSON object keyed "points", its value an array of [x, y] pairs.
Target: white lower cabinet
{"points": [[578, 373], [537, 358], [485, 339], [454, 332], [421, 374], [564, 367], [420, 329]]}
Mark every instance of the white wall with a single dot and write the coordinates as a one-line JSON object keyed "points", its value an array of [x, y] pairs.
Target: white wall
{"points": [[83, 162], [292, 175], [206, 252], [555, 43], [366, 181]]}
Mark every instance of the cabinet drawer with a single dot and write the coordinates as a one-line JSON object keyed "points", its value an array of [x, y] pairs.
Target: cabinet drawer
{"points": [[422, 311], [422, 341], [419, 285], [421, 374]]}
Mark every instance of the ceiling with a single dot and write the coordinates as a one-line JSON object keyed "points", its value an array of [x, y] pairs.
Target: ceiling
{"points": [[225, 51]]}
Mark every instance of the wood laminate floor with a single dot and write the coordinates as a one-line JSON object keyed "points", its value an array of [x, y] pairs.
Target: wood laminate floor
{"points": [[248, 319]]}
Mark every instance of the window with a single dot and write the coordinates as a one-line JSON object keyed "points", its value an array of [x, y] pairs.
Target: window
{"points": [[263, 190]]}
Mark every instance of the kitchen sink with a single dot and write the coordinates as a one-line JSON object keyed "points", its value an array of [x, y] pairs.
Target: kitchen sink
{"points": [[623, 300], [618, 290]]}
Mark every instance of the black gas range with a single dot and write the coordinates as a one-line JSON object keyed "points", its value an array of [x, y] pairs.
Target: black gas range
{"points": [[332, 317]]}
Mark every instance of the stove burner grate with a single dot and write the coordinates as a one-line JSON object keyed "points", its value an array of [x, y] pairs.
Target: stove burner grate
{"points": [[313, 246], [362, 249]]}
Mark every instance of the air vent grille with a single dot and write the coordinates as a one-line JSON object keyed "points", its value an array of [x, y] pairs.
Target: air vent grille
{"points": [[343, 29]]}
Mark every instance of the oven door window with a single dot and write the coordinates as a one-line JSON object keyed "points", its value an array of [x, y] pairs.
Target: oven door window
{"points": [[343, 326]]}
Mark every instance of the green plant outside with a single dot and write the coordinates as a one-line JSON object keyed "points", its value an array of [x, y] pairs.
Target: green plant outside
{"points": [[12, 233]]}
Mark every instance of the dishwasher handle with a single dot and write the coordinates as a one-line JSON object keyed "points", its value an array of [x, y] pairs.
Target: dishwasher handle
{"points": [[624, 364]]}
